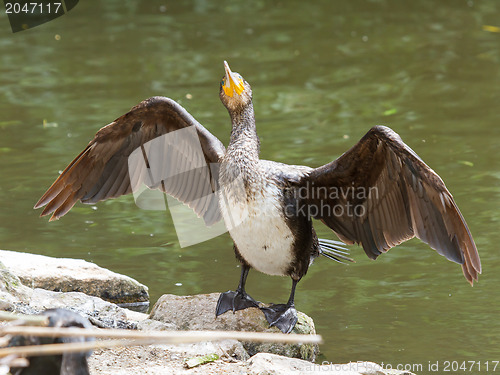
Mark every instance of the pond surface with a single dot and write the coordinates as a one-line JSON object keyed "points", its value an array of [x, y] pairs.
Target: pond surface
{"points": [[322, 74]]}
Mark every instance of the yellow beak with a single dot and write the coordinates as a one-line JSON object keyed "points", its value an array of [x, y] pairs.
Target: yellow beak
{"points": [[233, 83]]}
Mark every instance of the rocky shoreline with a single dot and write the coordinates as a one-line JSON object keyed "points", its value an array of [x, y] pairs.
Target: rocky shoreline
{"points": [[31, 284]]}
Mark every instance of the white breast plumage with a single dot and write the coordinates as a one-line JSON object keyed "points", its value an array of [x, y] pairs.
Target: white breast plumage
{"points": [[258, 228]]}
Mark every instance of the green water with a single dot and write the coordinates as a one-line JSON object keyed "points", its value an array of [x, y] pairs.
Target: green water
{"points": [[322, 74]]}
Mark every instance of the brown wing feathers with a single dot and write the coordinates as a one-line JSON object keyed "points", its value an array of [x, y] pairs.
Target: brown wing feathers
{"points": [[101, 170], [396, 197]]}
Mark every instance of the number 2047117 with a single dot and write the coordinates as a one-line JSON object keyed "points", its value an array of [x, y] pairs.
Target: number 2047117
{"points": [[32, 8], [468, 366]]}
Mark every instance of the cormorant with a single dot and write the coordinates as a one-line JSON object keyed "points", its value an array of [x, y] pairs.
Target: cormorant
{"points": [[377, 194]]}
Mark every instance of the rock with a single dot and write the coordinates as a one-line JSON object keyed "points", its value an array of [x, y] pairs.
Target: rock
{"points": [[271, 364], [305, 326], [101, 313], [16, 297], [12, 291], [155, 325], [73, 275], [198, 313]]}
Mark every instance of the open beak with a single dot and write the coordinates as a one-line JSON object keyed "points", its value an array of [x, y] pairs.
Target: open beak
{"points": [[233, 83]]}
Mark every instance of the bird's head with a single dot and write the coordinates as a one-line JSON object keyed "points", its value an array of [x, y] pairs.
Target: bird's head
{"points": [[235, 93]]}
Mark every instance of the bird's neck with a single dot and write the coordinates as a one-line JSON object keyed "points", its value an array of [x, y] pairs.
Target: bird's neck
{"points": [[244, 141], [241, 162]]}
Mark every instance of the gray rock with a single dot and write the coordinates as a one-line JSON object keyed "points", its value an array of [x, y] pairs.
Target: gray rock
{"points": [[155, 325], [12, 291], [16, 297], [73, 275], [198, 313], [271, 364], [101, 313]]}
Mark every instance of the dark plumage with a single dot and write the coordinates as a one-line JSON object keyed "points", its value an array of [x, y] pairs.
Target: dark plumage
{"points": [[378, 194], [62, 364]]}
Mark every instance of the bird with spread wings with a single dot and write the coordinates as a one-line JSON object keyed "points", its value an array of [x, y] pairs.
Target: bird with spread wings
{"points": [[403, 198]]}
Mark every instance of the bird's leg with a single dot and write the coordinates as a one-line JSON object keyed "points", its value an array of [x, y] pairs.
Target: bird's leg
{"points": [[237, 300], [283, 316]]}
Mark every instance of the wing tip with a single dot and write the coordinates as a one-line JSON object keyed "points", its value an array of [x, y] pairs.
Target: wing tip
{"points": [[45, 212], [43, 200], [471, 266], [471, 273]]}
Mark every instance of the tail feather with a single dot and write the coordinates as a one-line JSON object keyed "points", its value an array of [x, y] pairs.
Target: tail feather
{"points": [[334, 250], [337, 248]]}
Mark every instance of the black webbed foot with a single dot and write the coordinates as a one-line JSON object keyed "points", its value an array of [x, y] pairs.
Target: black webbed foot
{"points": [[234, 301], [281, 316]]}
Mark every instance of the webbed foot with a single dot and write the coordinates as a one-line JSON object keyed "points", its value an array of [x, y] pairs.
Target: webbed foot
{"points": [[234, 301], [281, 316]]}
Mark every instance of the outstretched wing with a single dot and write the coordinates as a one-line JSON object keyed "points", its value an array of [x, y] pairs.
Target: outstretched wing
{"points": [[101, 171], [380, 193]]}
